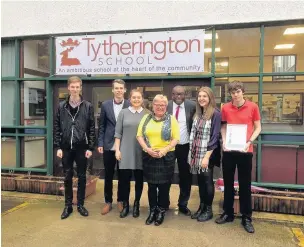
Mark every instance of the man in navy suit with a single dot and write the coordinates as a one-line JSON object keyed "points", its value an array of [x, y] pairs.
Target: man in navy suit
{"points": [[108, 116], [183, 110]]}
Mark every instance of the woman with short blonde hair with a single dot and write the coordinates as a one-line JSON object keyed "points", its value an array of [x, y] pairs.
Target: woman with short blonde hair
{"points": [[158, 133]]}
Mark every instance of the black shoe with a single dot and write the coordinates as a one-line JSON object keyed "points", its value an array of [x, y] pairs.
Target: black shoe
{"points": [[184, 210], [160, 217], [224, 218], [66, 212], [82, 210], [152, 216], [206, 215], [247, 225], [136, 209], [198, 212], [125, 210]]}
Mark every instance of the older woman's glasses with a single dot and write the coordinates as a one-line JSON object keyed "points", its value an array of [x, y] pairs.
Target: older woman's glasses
{"points": [[159, 106]]}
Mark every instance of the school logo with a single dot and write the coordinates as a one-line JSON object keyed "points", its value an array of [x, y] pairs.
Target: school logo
{"points": [[69, 44]]}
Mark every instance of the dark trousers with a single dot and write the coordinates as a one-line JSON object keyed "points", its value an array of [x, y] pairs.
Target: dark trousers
{"points": [[185, 176], [158, 195], [69, 156], [110, 164], [125, 176], [243, 162], [206, 187]]}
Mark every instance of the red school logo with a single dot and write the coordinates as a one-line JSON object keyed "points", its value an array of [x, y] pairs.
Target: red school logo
{"points": [[69, 45]]}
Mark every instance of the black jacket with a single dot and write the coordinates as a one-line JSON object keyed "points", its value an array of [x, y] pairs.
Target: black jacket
{"points": [[76, 132]]}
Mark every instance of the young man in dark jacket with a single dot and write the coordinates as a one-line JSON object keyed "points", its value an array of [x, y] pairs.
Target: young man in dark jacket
{"points": [[74, 140], [109, 112]]}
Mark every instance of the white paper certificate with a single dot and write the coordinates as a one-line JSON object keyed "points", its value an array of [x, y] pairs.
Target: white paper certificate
{"points": [[236, 137]]}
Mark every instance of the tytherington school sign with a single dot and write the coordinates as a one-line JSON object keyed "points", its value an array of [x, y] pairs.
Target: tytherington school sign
{"points": [[130, 53]]}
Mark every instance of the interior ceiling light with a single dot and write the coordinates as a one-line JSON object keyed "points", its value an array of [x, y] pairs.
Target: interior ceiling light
{"points": [[284, 46], [209, 36], [294, 30], [210, 50]]}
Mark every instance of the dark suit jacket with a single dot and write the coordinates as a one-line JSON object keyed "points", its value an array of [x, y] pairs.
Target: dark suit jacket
{"points": [[107, 124], [190, 108]]}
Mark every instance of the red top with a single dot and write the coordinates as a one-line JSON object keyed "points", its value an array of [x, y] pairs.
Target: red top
{"points": [[247, 114]]}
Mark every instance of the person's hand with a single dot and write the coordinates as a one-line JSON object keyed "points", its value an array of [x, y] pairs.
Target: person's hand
{"points": [[247, 146], [162, 152], [118, 155], [205, 162], [225, 149], [59, 153], [100, 150], [88, 154], [152, 152]]}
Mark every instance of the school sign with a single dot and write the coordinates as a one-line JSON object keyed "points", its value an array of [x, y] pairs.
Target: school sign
{"points": [[131, 53]]}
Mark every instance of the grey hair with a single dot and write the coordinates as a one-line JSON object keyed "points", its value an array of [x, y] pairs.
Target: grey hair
{"points": [[161, 97]]}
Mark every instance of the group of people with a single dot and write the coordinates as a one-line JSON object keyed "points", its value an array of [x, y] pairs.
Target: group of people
{"points": [[147, 144]]}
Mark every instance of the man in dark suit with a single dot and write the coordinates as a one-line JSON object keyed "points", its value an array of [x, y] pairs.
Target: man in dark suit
{"points": [[109, 112], [183, 110]]}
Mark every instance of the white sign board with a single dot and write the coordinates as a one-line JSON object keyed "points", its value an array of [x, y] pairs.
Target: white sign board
{"points": [[131, 53], [236, 137]]}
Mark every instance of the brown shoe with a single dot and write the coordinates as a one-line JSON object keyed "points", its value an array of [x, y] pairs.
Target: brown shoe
{"points": [[119, 206], [106, 209]]}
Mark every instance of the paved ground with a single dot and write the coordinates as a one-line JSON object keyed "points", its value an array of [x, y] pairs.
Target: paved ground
{"points": [[37, 223]]}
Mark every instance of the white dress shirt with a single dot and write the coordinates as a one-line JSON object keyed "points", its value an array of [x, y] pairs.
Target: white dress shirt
{"points": [[182, 122]]}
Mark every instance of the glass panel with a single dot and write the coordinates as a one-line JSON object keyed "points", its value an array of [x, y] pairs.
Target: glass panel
{"points": [[8, 103], [8, 58], [149, 94], [280, 163], [63, 93], [285, 63], [284, 50], [282, 105], [33, 151], [36, 58], [221, 89], [33, 103], [100, 94], [8, 151], [237, 51]]}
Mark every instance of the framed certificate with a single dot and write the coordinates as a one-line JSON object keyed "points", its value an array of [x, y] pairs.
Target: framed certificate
{"points": [[236, 136]]}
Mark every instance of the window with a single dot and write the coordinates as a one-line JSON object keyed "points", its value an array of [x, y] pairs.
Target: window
{"points": [[285, 63], [238, 50], [8, 103], [35, 58], [8, 58], [33, 103], [282, 105], [284, 51]]}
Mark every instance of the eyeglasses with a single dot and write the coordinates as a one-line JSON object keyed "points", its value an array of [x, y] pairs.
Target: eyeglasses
{"points": [[159, 106], [178, 94]]}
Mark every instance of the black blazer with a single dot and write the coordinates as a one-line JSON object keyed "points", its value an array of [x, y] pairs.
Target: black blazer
{"points": [[190, 108], [107, 124]]}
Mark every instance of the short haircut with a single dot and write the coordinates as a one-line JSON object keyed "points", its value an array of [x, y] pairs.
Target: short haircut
{"points": [[235, 85], [119, 81], [161, 97], [74, 79]]}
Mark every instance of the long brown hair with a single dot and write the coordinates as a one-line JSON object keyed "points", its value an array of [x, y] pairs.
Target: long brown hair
{"points": [[211, 106]]}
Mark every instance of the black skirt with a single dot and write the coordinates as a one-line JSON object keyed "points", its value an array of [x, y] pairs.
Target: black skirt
{"points": [[159, 171]]}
